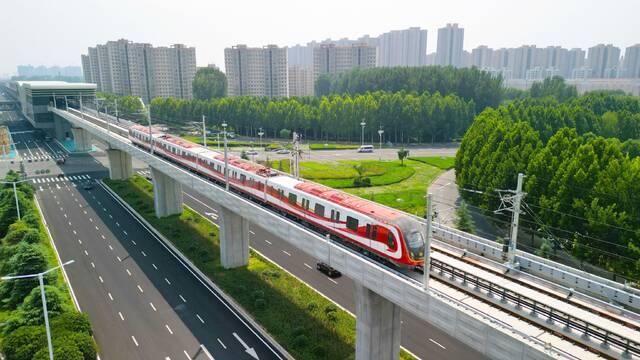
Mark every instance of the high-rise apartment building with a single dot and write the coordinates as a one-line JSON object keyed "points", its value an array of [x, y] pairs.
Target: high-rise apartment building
{"points": [[481, 57], [123, 67], [449, 47], [603, 60], [523, 59], [301, 80], [575, 61], [257, 71], [401, 47], [631, 63], [333, 59]]}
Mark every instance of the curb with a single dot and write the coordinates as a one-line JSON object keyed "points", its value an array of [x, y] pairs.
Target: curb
{"points": [[237, 307]]}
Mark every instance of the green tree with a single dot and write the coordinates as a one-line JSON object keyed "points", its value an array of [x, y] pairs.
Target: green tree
{"points": [[27, 259], [24, 342], [30, 312], [554, 86], [463, 219], [285, 134], [209, 83], [402, 154], [546, 248], [323, 85]]}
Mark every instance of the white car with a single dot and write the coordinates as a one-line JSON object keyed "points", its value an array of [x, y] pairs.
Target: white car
{"points": [[251, 152], [282, 151], [365, 149]]}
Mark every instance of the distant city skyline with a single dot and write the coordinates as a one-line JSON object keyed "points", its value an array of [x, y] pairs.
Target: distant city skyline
{"points": [[42, 35]]}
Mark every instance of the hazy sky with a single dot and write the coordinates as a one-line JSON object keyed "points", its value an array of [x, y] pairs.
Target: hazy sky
{"points": [[56, 32]]}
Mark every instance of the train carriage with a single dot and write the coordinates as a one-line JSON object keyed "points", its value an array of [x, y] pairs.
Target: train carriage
{"points": [[386, 233]]}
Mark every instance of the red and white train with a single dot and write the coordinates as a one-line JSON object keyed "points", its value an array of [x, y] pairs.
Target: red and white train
{"points": [[389, 234]]}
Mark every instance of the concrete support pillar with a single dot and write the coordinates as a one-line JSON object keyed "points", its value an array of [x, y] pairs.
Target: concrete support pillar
{"points": [[234, 239], [82, 139], [377, 326], [167, 194], [120, 166]]}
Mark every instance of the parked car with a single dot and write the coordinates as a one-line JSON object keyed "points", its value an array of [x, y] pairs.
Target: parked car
{"points": [[282, 151], [251, 152], [365, 149], [328, 270], [61, 161], [87, 185]]}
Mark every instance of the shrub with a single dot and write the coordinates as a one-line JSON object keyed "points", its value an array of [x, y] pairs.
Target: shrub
{"points": [[312, 306], [30, 312], [84, 342], [260, 304], [31, 220], [16, 232], [330, 308], [32, 236], [300, 341], [62, 350], [361, 182], [24, 342], [257, 294], [72, 321], [320, 352]]}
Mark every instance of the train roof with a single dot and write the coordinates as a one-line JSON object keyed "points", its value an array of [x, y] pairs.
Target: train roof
{"points": [[349, 201]]}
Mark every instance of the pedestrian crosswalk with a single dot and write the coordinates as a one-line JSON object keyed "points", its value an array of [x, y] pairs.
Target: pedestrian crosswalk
{"points": [[47, 157], [60, 178], [145, 173]]}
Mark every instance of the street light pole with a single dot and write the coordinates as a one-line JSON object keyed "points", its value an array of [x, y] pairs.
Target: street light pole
{"points": [[380, 132], [204, 132], [226, 158], [362, 135], [427, 243], [40, 277], [116, 103], [150, 132]]}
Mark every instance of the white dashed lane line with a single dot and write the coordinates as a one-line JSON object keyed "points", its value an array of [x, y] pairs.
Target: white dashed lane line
{"points": [[134, 340], [199, 318], [154, 266], [110, 297], [333, 281], [182, 298], [168, 329], [153, 307], [307, 265], [121, 317], [139, 288], [222, 344], [167, 280], [267, 241], [286, 253], [437, 343]]}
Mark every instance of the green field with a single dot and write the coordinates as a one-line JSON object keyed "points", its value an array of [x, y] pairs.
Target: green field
{"points": [[394, 185], [212, 142], [442, 162], [332, 146], [304, 322]]}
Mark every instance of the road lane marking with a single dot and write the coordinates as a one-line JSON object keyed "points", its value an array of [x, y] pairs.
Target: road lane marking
{"points": [[121, 317], [153, 307], [437, 343], [134, 243], [139, 288], [110, 297], [126, 233], [333, 281], [168, 328], [75, 233], [154, 266], [199, 318], [134, 340], [222, 344], [206, 352], [97, 228], [167, 280], [287, 253], [187, 354], [143, 253], [100, 277], [307, 265], [118, 257], [110, 247], [93, 265], [117, 224], [181, 298], [251, 232], [128, 272], [79, 241], [90, 219], [267, 241], [86, 253]]}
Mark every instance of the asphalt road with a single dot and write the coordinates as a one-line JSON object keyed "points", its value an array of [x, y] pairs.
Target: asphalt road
{"points": [[143, 303], [418, 336]]}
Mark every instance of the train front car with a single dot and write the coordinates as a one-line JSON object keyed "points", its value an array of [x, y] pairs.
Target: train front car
{"points": [[412, 233]]}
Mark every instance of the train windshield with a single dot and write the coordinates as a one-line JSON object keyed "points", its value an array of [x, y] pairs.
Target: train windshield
{"points": [[415, 244]]}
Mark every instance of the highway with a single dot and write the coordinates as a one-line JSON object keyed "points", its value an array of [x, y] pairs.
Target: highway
{"points": [[143, 303], [418, 336]]}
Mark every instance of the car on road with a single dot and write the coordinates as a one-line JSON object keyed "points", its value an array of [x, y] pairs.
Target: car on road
{"points": [[61, 161], [60, 176], [251, 152], [282, 151], [365, 149], [87, 185], [328, 270]]}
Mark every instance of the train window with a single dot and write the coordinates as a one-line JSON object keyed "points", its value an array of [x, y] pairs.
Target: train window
{"points": [[352, 223], [243, 178], [368, 231], [307, 204], [319, 210], [333, 215], [391, 242], [374, 232], [293, 198], [337, 216]]}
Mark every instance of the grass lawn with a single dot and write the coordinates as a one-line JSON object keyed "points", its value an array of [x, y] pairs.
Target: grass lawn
{"points": [[230, 143], [332, 146], [442, 162], [396, 186], [340, 174], [300, 319]]}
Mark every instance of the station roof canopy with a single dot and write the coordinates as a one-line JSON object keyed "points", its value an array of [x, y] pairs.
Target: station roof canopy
{"points": [[55, 85]]}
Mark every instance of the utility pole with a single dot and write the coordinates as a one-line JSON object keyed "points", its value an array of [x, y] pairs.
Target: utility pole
{"points": [[116, 102], [427, 242], [296, 155], [514, 220]]}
